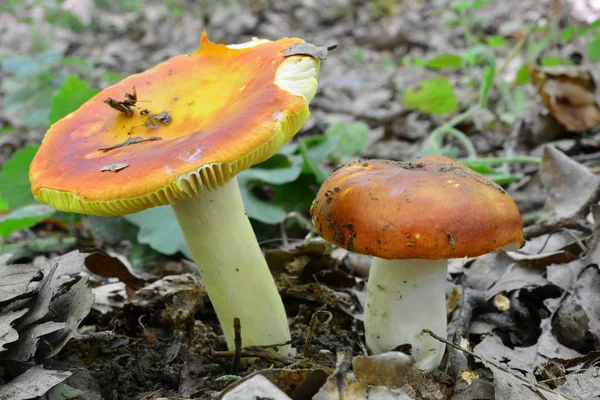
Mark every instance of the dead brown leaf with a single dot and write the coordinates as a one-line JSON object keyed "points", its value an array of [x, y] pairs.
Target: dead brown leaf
{"points": [[569, 95]]}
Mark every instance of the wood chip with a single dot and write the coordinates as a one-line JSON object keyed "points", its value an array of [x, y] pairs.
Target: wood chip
{"points": [[114, 167], [308, 49], [130, 141]]}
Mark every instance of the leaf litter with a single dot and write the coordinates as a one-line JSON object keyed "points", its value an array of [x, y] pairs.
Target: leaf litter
{"points": [[163, 338]]}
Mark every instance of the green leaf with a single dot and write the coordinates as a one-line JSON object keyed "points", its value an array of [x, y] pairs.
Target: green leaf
{"points": [[296, 196], [433, 96], [550, 61], [351, 138], [445, 61], [593, 49], [567, 33], [24, 217], [257, 208], [6, 129], [71, 95], [523, 76], [496, 41], [476, 54], [160, 230], [315, 150], [4, 205], [487, 81], [14, 178], [63, 391]]}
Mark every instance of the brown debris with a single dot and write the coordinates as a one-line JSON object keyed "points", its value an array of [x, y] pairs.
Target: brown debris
{"points": [[130, 141], [308, 49], [114, 167], [569, 95], [154, 120], [124, 106]]}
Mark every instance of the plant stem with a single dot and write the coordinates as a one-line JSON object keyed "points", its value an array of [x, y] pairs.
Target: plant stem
{"points": [[233, 268], [404, 297], [435, 138], [465, 141]]}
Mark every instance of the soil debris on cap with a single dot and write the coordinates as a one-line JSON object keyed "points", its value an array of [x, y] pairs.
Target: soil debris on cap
{"points": [[309, 49], [114, 167], [130, 141], [124, 106], [154, 120]]}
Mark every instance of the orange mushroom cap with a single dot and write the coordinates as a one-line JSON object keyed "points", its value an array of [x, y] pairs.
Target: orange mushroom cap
{"points": [[432, 208], [228, 110]]}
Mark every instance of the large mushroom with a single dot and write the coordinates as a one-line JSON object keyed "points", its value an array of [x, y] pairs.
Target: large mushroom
{"points": [[413, 217], [178, 134]]}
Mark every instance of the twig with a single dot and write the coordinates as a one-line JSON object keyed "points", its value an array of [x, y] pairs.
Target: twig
{"points": [[571, 223], [237, 330], [311, 328], [256, 353], [527, 383]]}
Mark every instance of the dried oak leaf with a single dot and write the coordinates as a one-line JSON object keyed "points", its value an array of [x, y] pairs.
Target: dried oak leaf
{"points": [[569, 95]]}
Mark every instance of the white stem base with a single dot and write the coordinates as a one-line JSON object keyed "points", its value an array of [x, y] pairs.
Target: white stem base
{"points": [[233, 268], [404, 297]]}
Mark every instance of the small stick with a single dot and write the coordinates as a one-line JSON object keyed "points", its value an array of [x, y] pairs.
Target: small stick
{"points": [[311, 329], [237, 330], [264, 354]]}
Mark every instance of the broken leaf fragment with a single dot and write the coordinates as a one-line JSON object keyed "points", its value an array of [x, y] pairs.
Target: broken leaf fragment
{"points": [[123, 106], [468, 376], [309, 49], [114, 167], [130, 141]]}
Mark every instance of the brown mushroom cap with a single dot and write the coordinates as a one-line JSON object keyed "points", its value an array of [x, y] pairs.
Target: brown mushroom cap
{"points": [[432, 208]]}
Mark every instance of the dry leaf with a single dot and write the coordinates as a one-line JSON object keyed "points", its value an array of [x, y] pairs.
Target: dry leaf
{"points": [[308, 49], [468, 376], [114, 167], [569, 95], [130, 141]]}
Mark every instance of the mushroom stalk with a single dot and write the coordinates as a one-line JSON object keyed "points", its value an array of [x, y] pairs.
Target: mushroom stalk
{"points": [[233, 268], [404, 297]]}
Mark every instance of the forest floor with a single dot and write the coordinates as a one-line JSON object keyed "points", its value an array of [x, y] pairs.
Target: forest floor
{"points": [[529, 320]]}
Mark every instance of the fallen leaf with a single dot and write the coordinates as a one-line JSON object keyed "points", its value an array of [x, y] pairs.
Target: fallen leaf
{"points": [[114, 167], [308, 49], [577, 321], [113, 265], [257, 387], [569, 94], [19, 281], [571, 186], [515, 278], [468, 376], [33, 383], [8, 334], [386, 369], [299, 383]]}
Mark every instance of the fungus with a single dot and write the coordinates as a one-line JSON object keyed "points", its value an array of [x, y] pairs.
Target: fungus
{"points": [[228, 107], [423, 214]]}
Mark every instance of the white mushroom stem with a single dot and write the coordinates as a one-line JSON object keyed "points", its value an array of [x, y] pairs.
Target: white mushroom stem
{"points": [[404, 297], [233, 268]]}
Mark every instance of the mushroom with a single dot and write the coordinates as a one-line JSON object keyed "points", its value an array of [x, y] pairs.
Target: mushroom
{"points": [[413, 217], [210, 115]]}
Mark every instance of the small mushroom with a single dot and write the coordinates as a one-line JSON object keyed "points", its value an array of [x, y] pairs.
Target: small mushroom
{"points": [[229, 107], [413, 217]]}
